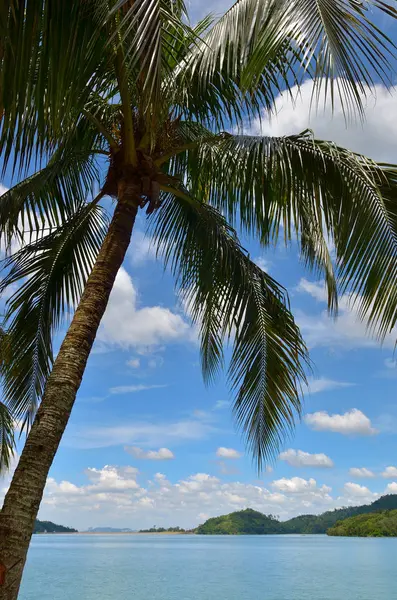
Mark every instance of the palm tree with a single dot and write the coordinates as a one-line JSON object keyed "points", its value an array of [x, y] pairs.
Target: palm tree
{"points": [[131, 82]]}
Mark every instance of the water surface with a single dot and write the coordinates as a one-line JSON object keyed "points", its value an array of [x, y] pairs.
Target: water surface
{"points": [[177, 567]]}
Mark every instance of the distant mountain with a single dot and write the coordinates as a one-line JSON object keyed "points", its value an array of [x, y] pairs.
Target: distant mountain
{"points": [[49, 527], [108, 530], [242, 522], [378, 524], [253, 522]]}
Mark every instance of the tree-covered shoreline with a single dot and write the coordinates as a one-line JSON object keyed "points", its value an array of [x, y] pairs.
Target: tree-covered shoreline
{"points": [[251, 522], [50, 527], [379, 524]]}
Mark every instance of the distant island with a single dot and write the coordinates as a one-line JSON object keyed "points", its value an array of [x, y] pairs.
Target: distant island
{"points": [[109, 530], [166, 530], [379, 524], [252, 522], [49, 527], [242, 522]]}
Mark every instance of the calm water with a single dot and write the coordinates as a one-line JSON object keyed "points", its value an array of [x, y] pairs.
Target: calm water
{"points": [[111, 567]]}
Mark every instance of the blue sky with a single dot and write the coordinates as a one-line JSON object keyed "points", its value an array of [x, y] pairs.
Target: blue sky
{"points": [[149, 444]]}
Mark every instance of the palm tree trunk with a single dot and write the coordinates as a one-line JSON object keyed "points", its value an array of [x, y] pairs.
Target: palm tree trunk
{"points": [[23, 498]]}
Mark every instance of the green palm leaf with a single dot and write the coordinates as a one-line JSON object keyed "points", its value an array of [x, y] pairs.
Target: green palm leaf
{"points": [[333, 41], [52, 272], [315, 191], [52, 56], [233, 300], [7, 438]]}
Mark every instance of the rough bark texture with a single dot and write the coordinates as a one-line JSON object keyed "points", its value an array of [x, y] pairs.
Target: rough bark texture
{"points": [[23, 499]]}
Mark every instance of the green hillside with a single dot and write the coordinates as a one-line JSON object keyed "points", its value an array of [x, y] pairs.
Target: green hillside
{"points": [[321, 523], [380, 524], [243, 522], [253, 522], [49, 527]]}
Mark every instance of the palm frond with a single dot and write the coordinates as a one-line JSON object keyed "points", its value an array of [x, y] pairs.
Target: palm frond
{"points": [[210, 86], [315, 191], [42, 200], [52, 55], [149, 34], [334, 42], [233, 300], [7, 423], [51, 272], [7, 438]]}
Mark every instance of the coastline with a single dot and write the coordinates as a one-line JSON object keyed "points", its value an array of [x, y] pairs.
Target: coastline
{"points": [[115, 533]]}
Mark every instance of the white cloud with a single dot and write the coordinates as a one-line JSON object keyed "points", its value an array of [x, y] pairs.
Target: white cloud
{"points": [[3, 189], [390, 473], [134, 363], [298, 458], [356, 491], [346, 331], [228, 453], [353, 422], [115, 496], [140, 454], [322, 384], [133, 389], [361, 472], [127, 325], [375, 138], [108, 479], [297, 485], [391, 488]]}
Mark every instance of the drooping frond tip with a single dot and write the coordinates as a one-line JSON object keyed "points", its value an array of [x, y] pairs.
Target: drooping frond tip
{"points": [[232, 300]]}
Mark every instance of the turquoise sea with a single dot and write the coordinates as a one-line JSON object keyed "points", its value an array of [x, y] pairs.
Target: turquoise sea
{"points": [[166, 567]]}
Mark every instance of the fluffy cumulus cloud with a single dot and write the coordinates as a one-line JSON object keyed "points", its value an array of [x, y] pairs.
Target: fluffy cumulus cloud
{"points": [[116, 496], [345, 332], [228, 453], [376, 138], [302, 487], [298, 458], [361, 472], [126, 324], [358, 494], [390, 473], [140, 454], [353, 422]]}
